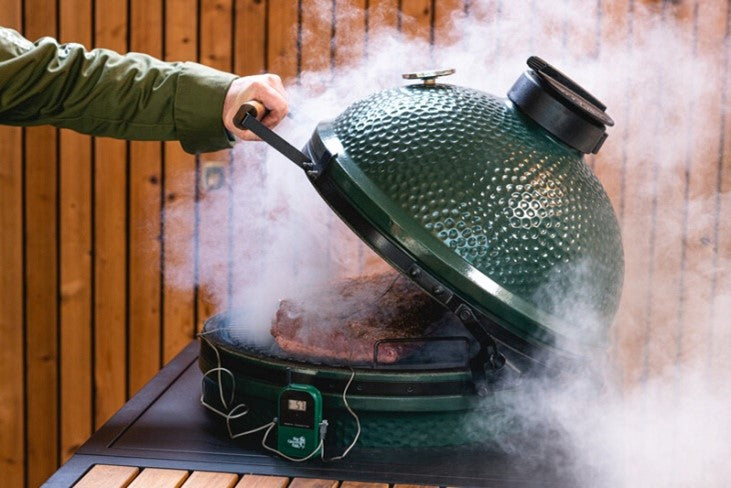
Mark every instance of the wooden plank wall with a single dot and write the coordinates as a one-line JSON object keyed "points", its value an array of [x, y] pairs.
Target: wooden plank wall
{"points": [[103, 277]]}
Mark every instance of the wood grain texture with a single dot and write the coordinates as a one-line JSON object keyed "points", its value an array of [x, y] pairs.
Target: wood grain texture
{"points": [[159, 478], [179, 290], [145, 169], [350, 32], [695, 337], [668, 206], [108, 476], [282, 39], [611, 163], [316, 36], [41, 275], [313, 483], [75, 163], [259, 481], [383, 14], [110, 240], [250, 32], [249, 57], [137, 293], [413, 486], [633, 313], [416, 19], [207, 479], [214, 192], [447, 15], [12, 411], [719, 359], [361, 484], [348, 52]]}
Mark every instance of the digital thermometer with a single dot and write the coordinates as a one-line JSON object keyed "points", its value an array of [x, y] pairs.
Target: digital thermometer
{"points": [[298, 420]]}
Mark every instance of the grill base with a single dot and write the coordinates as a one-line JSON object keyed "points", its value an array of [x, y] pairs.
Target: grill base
{"points": [[410, 407]]}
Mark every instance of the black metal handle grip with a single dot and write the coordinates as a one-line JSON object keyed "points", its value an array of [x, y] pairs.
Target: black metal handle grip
{"points": [[244, 120]]}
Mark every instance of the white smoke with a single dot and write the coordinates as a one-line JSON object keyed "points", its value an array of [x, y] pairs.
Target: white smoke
{"points": [[664, 416]]}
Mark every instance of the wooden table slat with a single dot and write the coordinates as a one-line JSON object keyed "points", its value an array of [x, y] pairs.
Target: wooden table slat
{"points": [[210, 479], [160, 478], [259, 481], [108, 476], [415, 486], [313, 483], [361, 484]]}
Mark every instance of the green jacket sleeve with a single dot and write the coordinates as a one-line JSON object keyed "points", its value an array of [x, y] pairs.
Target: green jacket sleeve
{"points": [[103, 93]]}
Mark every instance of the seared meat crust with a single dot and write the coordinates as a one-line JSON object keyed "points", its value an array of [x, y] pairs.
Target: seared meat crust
{"points": [[345, 321]]}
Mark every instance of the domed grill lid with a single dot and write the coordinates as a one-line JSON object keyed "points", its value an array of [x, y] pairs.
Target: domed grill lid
{"points": [[478, 205]]}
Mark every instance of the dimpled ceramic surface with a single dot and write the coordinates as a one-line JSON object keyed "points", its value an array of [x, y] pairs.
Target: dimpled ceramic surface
{"points": [[517, 205]]}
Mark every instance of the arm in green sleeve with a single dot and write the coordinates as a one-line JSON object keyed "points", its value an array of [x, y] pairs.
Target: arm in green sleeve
{"points": [[103, 93]]}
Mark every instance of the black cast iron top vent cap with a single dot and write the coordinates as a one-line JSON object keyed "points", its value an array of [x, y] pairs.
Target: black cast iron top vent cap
{"points": [[561, 106]]}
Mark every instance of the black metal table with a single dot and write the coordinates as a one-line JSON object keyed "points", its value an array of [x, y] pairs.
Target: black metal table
{"points": [[165, 426]]}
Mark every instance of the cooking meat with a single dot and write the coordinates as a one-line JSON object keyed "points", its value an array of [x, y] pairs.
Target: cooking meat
{"points": [[344, 322]]}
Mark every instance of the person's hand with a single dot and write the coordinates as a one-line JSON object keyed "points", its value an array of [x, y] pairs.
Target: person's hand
{"points": [[267, 89]]}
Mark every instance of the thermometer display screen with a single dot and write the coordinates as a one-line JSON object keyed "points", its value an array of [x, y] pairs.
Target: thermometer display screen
{"points": [[297, 405]]}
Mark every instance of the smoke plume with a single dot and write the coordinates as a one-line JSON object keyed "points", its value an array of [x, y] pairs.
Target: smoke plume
{"points": [[663, 417]]}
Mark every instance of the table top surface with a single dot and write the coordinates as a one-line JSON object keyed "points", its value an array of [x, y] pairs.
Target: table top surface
{"points": [[165, 426]]}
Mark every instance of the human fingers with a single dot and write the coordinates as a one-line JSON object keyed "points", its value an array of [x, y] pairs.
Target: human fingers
{"points": [[276, 82], [260, 88]]}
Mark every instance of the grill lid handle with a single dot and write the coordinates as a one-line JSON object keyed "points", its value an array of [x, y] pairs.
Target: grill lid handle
{"points": [[428, 77], [247, 119]]}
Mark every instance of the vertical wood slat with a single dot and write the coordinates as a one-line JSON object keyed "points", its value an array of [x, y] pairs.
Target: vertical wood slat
{"points": [[513, 44], [179, 203], [416, 19], [614, 27], [316, 50], [316, 28], [350, 32], [348, 50], [636, 223], [610, 164], [667, 207], [445, 14], [720, 360], [12, 327], [612, 161], [144, 227], [41, 275], [110, 239], [282, 40], [695, 340], [382, 14], [249, 37], [215, 173], [249, 58], [75, 170]]}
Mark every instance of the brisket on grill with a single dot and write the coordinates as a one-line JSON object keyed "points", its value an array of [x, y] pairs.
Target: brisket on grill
{"points": [[344, 321]]}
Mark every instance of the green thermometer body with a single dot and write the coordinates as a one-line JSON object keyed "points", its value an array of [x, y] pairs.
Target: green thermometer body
{"points": [[299, 417]]}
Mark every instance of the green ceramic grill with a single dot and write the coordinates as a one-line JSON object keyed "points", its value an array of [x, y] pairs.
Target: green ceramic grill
{"points": [[487, 204]]}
